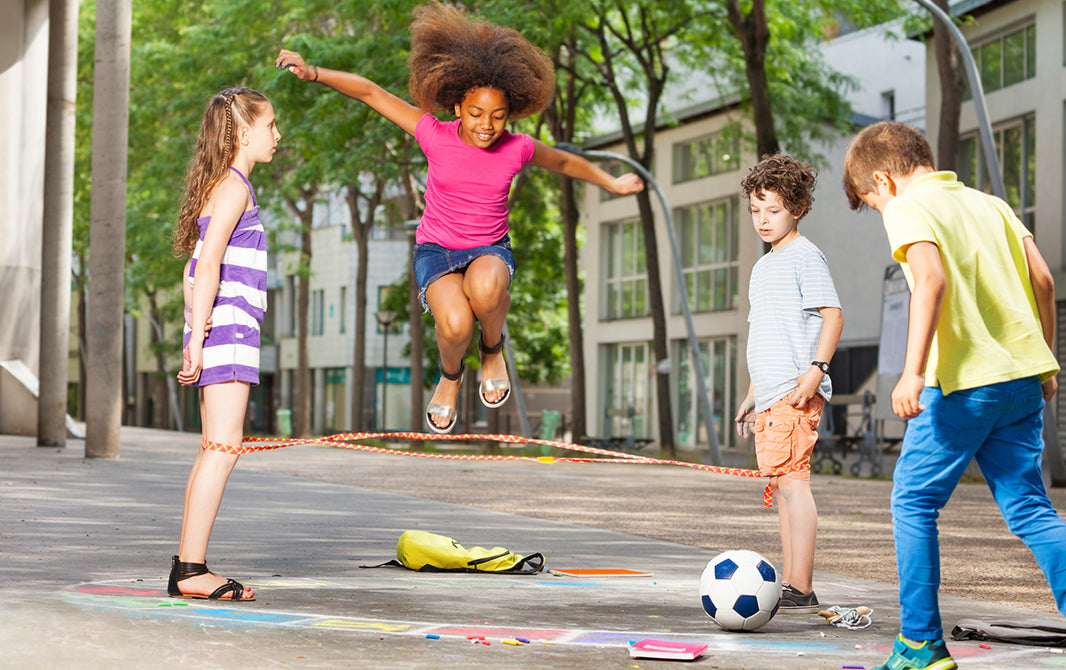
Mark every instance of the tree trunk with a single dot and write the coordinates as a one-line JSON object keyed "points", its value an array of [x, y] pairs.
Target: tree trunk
{"points": [[655, 68], [361, 231], [107, 227], [414, 312], [571, 220], [58, 223], [563, 121], [754, 34], [302, 401], [660, 344], [951, 88]]}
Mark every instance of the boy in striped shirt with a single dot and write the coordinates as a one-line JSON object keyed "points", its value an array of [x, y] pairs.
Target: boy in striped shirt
{"points": [[794, 327]]}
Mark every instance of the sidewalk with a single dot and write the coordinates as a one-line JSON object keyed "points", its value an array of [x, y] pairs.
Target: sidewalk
{"points": [[85, 548]]}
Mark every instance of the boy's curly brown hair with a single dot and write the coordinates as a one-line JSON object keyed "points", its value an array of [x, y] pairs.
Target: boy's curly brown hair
{"points": [[452, 54], [792, 180]]}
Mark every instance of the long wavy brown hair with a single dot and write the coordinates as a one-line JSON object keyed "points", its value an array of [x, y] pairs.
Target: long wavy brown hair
{"points": [[452, 54], [216, 147]]}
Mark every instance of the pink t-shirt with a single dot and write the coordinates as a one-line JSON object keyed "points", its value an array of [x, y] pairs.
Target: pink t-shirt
{"points": [[467, 187]]}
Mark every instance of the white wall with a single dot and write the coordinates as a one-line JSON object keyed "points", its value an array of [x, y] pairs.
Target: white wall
{"points": [[23, 91]]}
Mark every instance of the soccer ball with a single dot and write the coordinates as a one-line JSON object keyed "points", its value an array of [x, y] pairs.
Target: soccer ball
{"points": [[740, 590]]}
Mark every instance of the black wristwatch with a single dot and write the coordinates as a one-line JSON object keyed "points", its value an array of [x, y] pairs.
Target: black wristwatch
{"points": [[821, 365]]}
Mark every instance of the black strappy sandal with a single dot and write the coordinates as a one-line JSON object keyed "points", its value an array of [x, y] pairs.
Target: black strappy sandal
{"points": [[490, 385], [180, 571], [444, 410]]}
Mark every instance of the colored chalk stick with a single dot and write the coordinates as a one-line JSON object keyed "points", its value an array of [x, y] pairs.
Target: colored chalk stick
{"points": [[522, 640], [431, 636]]}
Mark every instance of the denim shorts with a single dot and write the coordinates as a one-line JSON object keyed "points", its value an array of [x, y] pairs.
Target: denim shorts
{"points": [[432, 261]]}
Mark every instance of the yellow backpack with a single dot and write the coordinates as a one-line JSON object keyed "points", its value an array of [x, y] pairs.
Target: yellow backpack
{"points": [[429, 552]]}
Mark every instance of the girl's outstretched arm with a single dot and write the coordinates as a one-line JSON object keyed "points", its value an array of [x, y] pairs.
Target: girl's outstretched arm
{"points": [[575, 166], [395, 109]]}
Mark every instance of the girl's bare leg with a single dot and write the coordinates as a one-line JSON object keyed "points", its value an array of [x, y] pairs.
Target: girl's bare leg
{"points": [[222, 408], [486, 286], [454, 321]]}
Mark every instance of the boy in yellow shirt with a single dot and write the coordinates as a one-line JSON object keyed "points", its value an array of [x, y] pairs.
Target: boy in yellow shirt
{"points": [[978, 369]]}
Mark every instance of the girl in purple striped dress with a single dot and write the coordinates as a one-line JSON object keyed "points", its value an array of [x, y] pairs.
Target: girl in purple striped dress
{"points": [[225, 298]]}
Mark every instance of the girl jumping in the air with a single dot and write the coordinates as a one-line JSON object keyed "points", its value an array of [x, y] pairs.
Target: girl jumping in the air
{"points": [[225, 298], [487, 75]]}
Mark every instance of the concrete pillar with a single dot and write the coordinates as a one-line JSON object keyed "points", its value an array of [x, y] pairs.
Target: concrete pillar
{"points": [[56, 234]]}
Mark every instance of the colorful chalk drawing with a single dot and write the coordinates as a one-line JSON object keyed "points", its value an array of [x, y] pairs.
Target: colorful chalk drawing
{"points": [[149, 598]]}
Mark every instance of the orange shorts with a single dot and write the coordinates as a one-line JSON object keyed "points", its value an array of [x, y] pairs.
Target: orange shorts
{"points": [[785, 437]]}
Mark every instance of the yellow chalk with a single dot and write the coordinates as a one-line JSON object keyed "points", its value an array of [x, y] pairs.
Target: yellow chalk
{"points": [[515, 643], [545, 459]]}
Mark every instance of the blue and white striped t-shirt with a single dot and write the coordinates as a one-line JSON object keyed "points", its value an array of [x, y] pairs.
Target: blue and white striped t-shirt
{"points": [[787, 288]]}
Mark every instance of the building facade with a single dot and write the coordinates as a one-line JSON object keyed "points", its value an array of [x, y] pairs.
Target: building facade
{"points": [[699, 165]]}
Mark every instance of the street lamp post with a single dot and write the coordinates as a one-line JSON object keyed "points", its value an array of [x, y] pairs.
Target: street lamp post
{"points": [[385, 320], [697, 364]]}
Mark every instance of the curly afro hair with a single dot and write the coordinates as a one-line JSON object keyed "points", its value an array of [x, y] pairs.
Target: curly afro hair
{"points": [[792, 180], [452, 54]]}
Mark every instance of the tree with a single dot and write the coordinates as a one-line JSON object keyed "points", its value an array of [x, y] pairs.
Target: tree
{"points": [[753, 31], [951, 90], [630, 43], [107, 228]]}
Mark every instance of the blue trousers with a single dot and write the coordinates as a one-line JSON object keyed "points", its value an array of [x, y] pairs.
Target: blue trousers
{"points": [[1001, 426]]}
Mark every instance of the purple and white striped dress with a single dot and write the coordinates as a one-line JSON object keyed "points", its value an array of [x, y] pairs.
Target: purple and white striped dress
{"points": [[231, 348]]}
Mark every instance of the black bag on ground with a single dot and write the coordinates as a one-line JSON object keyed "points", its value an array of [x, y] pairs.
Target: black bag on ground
{"points": [[1037, 632]]}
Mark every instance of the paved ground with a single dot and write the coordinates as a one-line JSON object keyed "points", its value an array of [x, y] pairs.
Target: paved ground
{"points": [[85, 547]]}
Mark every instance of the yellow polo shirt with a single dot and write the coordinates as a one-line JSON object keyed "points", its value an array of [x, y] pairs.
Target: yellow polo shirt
{"points": [[989, 330]]}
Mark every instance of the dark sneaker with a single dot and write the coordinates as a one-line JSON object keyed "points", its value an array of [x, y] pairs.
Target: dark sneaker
{"points": [[794, 602], [926, 655]]}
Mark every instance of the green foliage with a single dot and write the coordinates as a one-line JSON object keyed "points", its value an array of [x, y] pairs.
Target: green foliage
{"points": [[183, 53]]}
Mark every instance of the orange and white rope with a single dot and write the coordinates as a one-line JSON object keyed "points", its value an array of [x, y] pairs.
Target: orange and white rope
{"points": [[348, 441]]}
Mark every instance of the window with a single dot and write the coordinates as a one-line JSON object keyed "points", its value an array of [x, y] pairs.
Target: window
{"points": [[626, 279], [343, 311], [1016, 151], [707, 156], [707, 237], [318, 303], [626, 413], [1005, 60], [888, 105], [718, 357], [290, 306]]}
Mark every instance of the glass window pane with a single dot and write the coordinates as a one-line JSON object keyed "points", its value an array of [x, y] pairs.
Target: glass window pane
{"points": [[732, 287], [642, 261], [612, 301], [721, 288], [628, 261], [967, 154], [733, 217], [707, 239], [1012, 165], [1014, 58], [686, 236], [1030, 171], [1030, 52], [992, 66], [721, 232], [704, 292], [640, 291]]}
